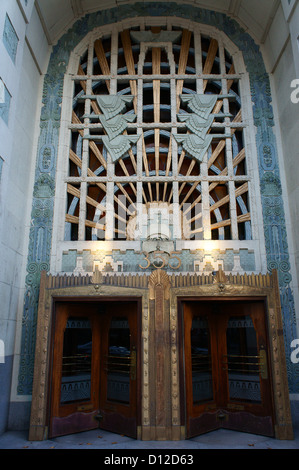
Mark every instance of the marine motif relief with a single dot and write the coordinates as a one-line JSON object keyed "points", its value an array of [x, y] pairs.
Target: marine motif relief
{"points": [[115, 124], [199, 123]]}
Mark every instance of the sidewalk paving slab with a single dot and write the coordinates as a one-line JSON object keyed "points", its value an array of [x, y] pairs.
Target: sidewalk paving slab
{"points": [[99, 439]]}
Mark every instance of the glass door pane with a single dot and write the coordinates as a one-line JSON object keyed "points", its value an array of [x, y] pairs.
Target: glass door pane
{"points": [[119, 361], [242, 360], [76, 361], [202, 383]]}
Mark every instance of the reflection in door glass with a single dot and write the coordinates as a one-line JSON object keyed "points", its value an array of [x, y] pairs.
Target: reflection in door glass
{"points": [[242, 361], [76, 360], [119, 359], [202, 383]]}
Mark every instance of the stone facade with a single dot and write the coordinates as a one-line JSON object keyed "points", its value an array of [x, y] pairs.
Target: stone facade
{"points": [[32, 76], [43, 202]]}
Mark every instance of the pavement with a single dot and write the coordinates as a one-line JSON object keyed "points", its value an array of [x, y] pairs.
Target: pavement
{"points": [[99, 439]]}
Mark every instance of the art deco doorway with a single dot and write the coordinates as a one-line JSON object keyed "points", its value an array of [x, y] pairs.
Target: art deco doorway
{"points": [[226, 367], [232, 324], [94, 367]]}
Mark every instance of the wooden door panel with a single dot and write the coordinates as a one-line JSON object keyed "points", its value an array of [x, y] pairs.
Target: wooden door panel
{"points": [[74, 393], [83, 393], [249, 405], [242, 398], [207, 421], [200, 369], [118, 399]]}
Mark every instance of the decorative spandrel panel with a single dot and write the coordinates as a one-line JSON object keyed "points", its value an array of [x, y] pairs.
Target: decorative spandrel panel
{"points": [[157, 118]]}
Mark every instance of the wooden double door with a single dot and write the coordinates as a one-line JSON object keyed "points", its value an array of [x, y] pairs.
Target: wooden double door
{"points": [[94, 368], [227, 370]]}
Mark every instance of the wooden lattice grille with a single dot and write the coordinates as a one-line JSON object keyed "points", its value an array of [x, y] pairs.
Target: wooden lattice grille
{"points": [[108, 196]]}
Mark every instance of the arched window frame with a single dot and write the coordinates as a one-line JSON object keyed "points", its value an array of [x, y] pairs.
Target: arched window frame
{"points": [[249, 144]]}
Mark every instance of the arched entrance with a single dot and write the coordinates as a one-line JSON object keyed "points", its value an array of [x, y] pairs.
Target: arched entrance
{"points": [[231, 332]]}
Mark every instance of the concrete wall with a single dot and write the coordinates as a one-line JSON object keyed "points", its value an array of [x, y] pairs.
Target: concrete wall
{"points": [[24, 53], [281, 53]]}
